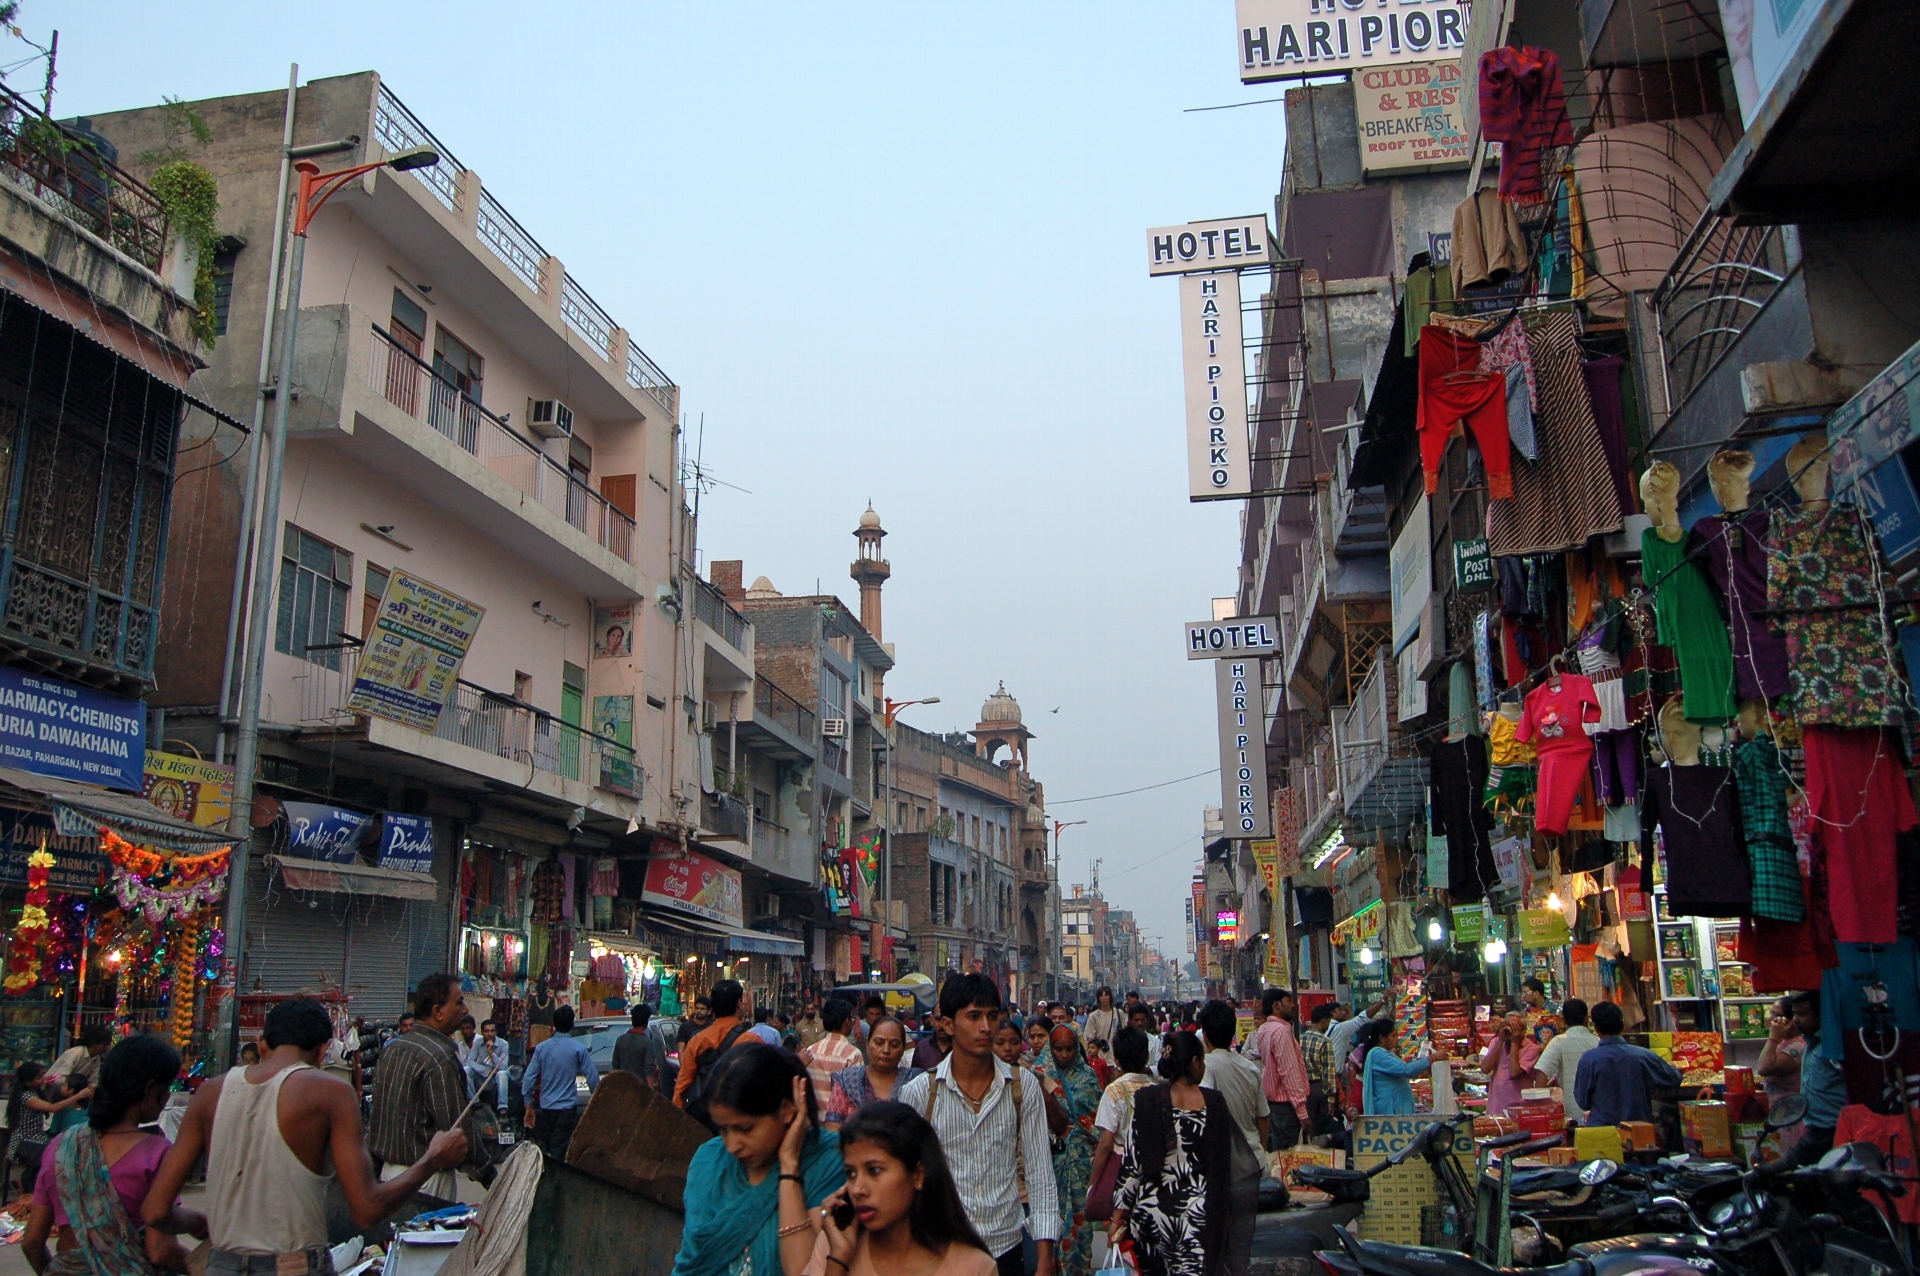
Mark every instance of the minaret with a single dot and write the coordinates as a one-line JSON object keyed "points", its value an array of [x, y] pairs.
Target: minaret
{"points": [[870, 571]]}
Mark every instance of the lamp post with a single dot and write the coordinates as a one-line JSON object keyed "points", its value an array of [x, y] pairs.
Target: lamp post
{"points": [[890, 710], [316, 188], [1059, 827]]}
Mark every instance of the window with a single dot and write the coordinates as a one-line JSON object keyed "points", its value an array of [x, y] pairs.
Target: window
{"points": [[762, 806], [370, 599], [315, 579], [976, 833], [224, 258], [523, 687]]}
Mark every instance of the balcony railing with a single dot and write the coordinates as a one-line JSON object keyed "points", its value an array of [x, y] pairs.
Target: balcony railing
{"points": [[488, 721], [1369, 719], [728, 816], [1723, 275], [397, 128], [771, 703], [404, 380], [77, 181], [711, 608]]}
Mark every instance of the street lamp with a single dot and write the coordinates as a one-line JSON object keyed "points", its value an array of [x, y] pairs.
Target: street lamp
{"points": [[1059, 827], [890, 710], [316, 188]]}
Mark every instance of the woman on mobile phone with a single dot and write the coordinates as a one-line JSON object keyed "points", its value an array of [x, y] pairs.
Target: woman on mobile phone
{"points": [[770, 1149], [898, 1214]]}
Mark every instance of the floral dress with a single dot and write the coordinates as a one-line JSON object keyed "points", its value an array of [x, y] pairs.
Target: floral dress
{"points": [[1078, 1090], [1168, 1218], [1836, 659]]}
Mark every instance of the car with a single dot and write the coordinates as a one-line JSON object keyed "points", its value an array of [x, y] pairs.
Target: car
{"points": [[914, 998], [599, 1034]]}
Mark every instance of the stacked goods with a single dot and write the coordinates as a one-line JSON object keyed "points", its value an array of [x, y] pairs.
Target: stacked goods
{"points": [[1706, 1129], [1450, 1024], [1699, 1056]]}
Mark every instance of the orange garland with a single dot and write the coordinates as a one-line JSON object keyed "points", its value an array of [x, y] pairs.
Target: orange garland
{"points": [[142, 862]]}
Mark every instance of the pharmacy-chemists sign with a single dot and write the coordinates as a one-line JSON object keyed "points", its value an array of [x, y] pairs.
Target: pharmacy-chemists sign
{"points": [[55, 728]]}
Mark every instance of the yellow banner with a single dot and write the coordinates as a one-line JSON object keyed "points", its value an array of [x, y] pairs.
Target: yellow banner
{"points": [[1278, 972], [1266, 857], [189, 789]]}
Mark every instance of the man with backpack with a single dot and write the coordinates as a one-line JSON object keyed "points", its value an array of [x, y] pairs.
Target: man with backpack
{"points": [[699, 1055]]}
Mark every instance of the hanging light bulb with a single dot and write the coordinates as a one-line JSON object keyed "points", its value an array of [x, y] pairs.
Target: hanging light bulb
{"points": [[1366, 955], [1434, 931], [1495, 949], [1553, 900]]}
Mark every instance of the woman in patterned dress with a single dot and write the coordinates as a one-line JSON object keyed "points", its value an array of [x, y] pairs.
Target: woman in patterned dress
{"points": [[880, 1077], [1170, 1206], [1070, 1082]]}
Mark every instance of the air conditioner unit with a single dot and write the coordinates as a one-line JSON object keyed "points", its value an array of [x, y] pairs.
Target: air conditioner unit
{"points": [[833, 728], [769, 905], [550, 418]]}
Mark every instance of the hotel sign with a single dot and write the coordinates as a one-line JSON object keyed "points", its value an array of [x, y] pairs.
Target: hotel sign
{"points": [[1230, 243], [1288, 39], [1243, 750], [1241, 636]]}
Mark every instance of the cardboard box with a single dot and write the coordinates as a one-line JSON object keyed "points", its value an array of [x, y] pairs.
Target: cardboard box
{"points": [[1639, 1136], [1562, 1156], [1705, 1127]]}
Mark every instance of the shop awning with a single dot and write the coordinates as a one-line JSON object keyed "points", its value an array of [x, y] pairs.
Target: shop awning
{"points": [[621, 944], [352, 879], [738, 939], [80, 809]]}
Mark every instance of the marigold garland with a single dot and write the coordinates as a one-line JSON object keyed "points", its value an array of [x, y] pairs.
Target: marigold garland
{"points": [[185, 962], [142, 862], [23, 962]]}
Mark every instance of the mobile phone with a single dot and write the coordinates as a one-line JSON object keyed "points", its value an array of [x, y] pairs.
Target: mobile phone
{"points": [[843, 1214]]}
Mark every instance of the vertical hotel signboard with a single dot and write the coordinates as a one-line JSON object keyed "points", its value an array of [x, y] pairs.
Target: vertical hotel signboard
{"points": [[1208, 257], [1236, 646]]}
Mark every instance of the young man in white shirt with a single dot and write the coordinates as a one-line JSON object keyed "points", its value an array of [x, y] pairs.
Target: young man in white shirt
{"points": [[1237, 1078], [990, 1117], [1559, 1063]]}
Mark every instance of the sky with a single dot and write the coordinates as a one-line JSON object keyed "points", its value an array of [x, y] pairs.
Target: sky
{"points": [[891, 253]]}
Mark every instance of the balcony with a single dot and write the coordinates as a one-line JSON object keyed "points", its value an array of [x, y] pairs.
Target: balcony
{"points": [[71, 178], [728, 638], [727, 822], [1384, 782], [363, 393], [496, 736], [781, 727]]}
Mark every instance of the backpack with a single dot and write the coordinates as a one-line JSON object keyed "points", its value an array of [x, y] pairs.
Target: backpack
{"points": [[697, 1090], [1018, 1084]]}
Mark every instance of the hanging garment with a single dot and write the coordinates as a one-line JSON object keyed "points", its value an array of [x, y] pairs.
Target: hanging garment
{"points": [[1555, 723], [1857, 792], [1609, 414], [1886, 972], [1883, 1080], [1761, 782], [1429, 289], [1523, 106], [1566, 497], [1463, 716], [1488, 244], [1457, 776], [1733, 550], [1696, 811], [1650, 671], [1520, 431], [1781, 954], [1397, 937], [1506, 350], [1690, 622], [1611, 692], [1616, 767], [1483, 658], [1453, 390], [1837, 661]]}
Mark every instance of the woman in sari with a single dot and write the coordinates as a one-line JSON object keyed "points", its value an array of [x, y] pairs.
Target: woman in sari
{"points": [[880, 1077], [94, 1178], [763, 1103], [1069, 1080]]}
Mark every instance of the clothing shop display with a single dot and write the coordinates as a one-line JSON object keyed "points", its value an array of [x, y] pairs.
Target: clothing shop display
{"points": [[1696, 811], [1454, 391], [1457, 776], [1690, 622], [1761, 783], [1566, 497], [1883, 972], [1488, 244], [1860, 801], [1733, 550], [1616, 766], [1429, 288], [1821, 585], [1892, 1133], [1609, 414], [1554, 722], [1523, 106]]}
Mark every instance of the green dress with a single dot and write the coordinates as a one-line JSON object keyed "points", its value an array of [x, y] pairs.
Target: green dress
{"points": [[1688, 619]]}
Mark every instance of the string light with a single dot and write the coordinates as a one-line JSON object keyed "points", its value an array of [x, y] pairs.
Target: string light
{"points": [[1366, 955], [1434, 931]]}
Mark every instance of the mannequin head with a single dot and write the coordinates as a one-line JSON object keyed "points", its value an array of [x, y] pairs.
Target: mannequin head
{"points": [[1660, 494], [1807, 465], [1728, 474], [1680, 737], [1754, 721]]}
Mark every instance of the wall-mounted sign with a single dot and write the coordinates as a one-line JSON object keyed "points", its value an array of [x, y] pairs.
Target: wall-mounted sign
{"points": [[79, 864], [1266, 858], [1472, 565], [1469, 923], [694, 884], [1243, 750], [1241, 636], [1409, 117], [1877, 422], [1762, 36], [406, 842], [1227, 926], [613, 723], [1198, 913], [1285, 39], [69, 732], [612, 630], [411, 662], [1410, 567], [316, 831], [1219, 457], [1231, 243], [189, 789]]}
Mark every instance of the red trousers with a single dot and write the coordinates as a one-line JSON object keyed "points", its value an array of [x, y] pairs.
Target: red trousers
{"points": [[1452, 390], [1860, 802]]}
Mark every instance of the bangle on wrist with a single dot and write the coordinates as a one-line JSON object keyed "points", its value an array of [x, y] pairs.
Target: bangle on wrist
{"points": [[792, 1178], [834, 1258], [801, 1226]]}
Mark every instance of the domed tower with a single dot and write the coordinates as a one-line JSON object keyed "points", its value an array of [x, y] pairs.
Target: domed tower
{"points": [[870, 572], [1000, 727]]}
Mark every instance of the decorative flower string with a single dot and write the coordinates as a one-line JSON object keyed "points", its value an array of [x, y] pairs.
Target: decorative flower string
{"points": [[23, 962], [186, 959], [157, 886]]}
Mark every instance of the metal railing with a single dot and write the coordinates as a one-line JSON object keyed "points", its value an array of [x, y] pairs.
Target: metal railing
{"points": [[397, 128], [1369, 719], [1723, 275], [410, 384], [711, 608], [488, 721], [728, 816], [67, 173], [1317, 775], [773, 704]]}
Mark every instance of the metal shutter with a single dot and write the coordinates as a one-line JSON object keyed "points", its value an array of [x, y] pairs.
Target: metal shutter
{"points": [[377, 956], [293, 938]]}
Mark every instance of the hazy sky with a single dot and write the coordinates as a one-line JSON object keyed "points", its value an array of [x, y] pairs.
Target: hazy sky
{"points": [[890, 252]]}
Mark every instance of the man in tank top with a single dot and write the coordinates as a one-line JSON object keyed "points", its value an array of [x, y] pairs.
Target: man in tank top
{"points": [[274, 1135]]}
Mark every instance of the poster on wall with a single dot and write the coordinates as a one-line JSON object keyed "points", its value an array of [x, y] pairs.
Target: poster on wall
{"points": [[411, 662], [188, 789], [695, 884], [612, 630], [613, 721], [1410, 569], [1762, 37], [1409, 117]]}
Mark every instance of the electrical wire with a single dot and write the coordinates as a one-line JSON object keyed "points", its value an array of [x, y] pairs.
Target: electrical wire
{"points": [[1145, 788]]}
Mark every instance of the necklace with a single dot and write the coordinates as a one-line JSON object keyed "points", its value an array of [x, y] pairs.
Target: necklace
{"points": [[1892, 1050]]}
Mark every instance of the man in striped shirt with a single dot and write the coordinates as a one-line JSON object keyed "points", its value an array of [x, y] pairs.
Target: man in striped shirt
{"points": [[832, 1052], [1283, 1072], [989, 1117]]}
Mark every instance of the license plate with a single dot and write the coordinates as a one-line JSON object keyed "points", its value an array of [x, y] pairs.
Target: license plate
{"points": [[506, 1138]]}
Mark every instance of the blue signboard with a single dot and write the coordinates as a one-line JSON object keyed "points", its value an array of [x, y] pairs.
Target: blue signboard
{"points": [[318, 832], [1886, 494], [406, 842], [79, 864], [55, 728]]}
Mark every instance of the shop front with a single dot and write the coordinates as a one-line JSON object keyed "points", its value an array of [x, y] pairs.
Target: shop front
{"points": [[693, 917]]}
